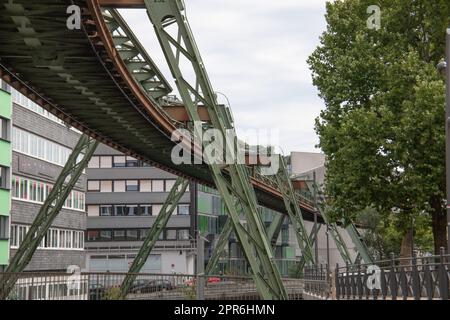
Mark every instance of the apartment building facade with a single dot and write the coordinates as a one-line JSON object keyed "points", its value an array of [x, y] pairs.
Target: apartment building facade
{"points": [[41, 145]]}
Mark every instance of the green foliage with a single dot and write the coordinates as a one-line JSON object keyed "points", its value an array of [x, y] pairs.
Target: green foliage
{"points": [[383, 127], [113, 293]]}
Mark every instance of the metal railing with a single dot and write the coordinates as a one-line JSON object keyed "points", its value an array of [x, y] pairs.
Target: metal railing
{"points": [[416, 278], [106, 286], [317, 282]]}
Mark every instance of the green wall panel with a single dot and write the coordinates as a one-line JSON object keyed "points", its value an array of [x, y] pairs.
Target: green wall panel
{"points": [[5, 104], [5, 202], [4, 252], [5, 153]]}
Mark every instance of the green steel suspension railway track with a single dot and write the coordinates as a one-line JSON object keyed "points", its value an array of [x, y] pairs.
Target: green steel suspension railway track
{"points": [[99, 79]]}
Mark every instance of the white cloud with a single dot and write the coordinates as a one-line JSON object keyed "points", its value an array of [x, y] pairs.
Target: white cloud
{"points": [[255, 52]]}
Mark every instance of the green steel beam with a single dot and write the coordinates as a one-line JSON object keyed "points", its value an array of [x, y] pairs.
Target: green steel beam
{"points": [[312, 238], [177, 41], [135, 57], [357, 240], [333, 228], [220, 247], [48, 212], [295, 215], [275, 228], [272, 232], [175, 194]]}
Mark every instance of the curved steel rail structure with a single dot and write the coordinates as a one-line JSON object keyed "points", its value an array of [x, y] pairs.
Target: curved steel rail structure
{"points": [[81, 77]]}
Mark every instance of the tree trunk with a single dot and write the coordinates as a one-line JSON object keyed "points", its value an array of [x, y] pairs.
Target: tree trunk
{"points": [[405, 249], [439, 225]]}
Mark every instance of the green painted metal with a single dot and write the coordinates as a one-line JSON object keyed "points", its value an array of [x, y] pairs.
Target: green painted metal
{"points": [[168, 16], [275, 228], [135, 57], [49, 210], [357, 240], [220, 247], [333, 228], [294, 212], [312, 238], [175, 194]]}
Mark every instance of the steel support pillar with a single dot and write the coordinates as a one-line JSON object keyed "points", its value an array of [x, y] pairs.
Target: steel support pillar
{"points": [[332, 227], [359, 243], [295, 215], [272, 232], [313, 239], [231, 180], [220, 247], [48, 212], [175, 194]]}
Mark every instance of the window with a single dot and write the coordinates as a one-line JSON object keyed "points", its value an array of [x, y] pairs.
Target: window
{"points": [[105, 210], [132, 185], [4, 227], [93, 211], [143, 233], [171, 234], [95, 162], [4, 178], [93, 185], [169, 185], [132, 162], [106, 186], [158, 185], [119, 234], [119, 186], [13, 236], [4, 129], [132, 235], [105, 162], [120, 210], [145, 210], [92, 235], [146, 186], [106, 235], [132, 210], [183, 209], [156, 208], [39, 147], [119, 161], [183, 234]]}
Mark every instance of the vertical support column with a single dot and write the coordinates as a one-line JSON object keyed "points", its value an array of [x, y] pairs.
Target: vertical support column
{"points": [[200, 267], [49, 210], [177, 41], [175, 194]]}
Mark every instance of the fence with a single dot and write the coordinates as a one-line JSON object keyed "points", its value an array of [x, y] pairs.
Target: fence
{"points": [[106, 286], [416, 278], [317, 282]]}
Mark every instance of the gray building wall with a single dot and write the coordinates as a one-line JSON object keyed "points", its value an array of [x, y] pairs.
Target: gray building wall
{"points": [[24, 213], [167, 256]]}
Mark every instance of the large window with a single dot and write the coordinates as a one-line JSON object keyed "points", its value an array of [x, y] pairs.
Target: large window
{"points": [[4, 129], [55, 238], [170, 234], [132, 185], [36, 146], [4, 226], [119, 161], [132, 162], [183, 209], [4, 183], [26, 189]]}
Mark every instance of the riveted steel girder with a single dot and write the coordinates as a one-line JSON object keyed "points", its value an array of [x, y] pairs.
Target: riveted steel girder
{"points": [[166, 16], [48, 211], [175, 194], [294, 212]]}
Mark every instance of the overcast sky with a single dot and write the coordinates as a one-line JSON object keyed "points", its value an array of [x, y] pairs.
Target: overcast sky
{"points": [[255, 53]]}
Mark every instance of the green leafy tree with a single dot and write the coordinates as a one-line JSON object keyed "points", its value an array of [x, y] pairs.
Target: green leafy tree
{"points": [[383, 127]]}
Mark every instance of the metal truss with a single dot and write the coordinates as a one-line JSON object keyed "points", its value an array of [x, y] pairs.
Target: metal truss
{"points": [[135, 57], [361, 248], [275, 228], [49, 210], [180, 50], [175, 194], [295, 215]]}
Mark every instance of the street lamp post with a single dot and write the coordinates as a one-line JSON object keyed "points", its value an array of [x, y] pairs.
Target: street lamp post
{"points": [[447, 134]]}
